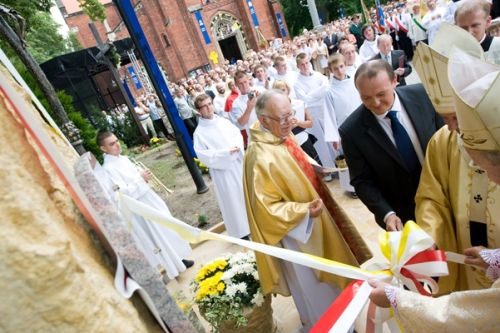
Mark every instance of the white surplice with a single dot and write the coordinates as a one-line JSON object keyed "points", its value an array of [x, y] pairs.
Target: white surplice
{"points": [[213, 138], [311, 297], [312, 90], [162, 247]]}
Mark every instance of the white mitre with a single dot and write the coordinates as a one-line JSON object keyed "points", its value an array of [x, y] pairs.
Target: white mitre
{"points": [[431, 64], [476, 89]]}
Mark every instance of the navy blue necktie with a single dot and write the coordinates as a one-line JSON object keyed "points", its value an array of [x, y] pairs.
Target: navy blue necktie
{"points": [[403, 143]]}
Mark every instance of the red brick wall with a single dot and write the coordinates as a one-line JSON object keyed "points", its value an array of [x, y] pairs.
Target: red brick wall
{"points": [[171, 18]]}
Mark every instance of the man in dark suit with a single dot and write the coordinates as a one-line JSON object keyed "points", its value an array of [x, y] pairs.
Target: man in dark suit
{"points": [[396, 58], [331, 40], [384, 142]]}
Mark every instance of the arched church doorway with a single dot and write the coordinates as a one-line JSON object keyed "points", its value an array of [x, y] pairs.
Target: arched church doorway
{"points": [[231, 40]]}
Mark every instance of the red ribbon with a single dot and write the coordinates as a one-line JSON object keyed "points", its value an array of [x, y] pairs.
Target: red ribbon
{"points": [[333, 313], [335, 310]]}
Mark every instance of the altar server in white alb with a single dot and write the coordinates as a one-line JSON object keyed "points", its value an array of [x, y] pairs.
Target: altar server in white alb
{"points": [[344, 97], [163, 248], [219, 145], [311, 87]]}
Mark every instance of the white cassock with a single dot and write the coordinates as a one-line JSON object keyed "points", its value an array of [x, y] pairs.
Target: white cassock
{"points": [[212, 140], [162, 247], [344, 98], [312, 90], [311, 296], [219, 102]]}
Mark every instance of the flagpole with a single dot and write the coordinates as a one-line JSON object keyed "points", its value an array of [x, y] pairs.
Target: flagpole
{"points": [[313, 11]]}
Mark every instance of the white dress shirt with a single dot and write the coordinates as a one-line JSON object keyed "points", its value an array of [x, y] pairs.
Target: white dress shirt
{"points": [[404, 119]]}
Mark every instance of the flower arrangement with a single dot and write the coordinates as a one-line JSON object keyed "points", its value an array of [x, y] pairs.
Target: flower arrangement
{"points": [[226, 286], [154, 141], [203, 168]]}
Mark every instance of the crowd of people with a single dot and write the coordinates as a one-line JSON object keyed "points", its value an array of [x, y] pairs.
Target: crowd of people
{"points": [[272, 127]]}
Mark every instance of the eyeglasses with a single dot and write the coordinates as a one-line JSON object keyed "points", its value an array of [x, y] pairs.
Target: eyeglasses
{"points": [[282, 120]]}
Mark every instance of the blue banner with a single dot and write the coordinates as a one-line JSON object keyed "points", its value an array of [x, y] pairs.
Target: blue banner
{"points": [[252, 13], [202, 26], [281, 24], [380, 13], [135, 79]]}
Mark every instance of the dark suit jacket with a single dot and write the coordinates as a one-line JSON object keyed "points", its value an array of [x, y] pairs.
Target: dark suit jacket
{"points": [[331, 43], [396, 55], [379, 175]]}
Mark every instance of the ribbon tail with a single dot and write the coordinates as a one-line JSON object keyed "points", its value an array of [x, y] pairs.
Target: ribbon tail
{"points": [[195, 235], [340, 316]]}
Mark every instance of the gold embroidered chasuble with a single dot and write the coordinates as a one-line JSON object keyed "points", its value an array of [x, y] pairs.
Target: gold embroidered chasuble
{"points": [[443, 206], [277, 195]]}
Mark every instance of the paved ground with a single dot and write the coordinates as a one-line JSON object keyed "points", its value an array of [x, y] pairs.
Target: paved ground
{"points": [[285, 313]]}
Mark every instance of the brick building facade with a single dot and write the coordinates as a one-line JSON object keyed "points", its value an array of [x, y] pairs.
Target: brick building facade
{"points": [[174, 29]]}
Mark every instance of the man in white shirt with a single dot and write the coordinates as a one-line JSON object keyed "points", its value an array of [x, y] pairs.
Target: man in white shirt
{"points": [[220, 100], [242, 113], [219, 145], [262, 79]]}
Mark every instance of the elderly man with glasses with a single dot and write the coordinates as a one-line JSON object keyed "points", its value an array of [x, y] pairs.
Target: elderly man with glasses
{"points": [[288, 206]]}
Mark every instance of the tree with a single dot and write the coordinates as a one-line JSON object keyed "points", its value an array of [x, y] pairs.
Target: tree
{"points": [[15, 21], [94, 9], [43, 40], [297, 16]]}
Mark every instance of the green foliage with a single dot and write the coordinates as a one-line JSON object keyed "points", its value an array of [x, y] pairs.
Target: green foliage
{"points": [[128, 131], [28, 8], [44, 41], [94, 9], [73, 43], [297, 16], [87, 131], [331, 8]]}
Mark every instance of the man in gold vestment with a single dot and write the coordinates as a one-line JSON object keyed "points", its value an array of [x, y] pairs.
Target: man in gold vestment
{"points": [[456, 204], [285, 206]]}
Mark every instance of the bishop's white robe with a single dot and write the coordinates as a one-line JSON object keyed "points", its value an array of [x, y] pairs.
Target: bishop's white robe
{"points": [[163, 248], [312, 90], [213, 138]]}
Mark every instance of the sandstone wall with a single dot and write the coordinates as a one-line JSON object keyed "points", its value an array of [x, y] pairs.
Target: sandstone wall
{"points": [[53, 276]]}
